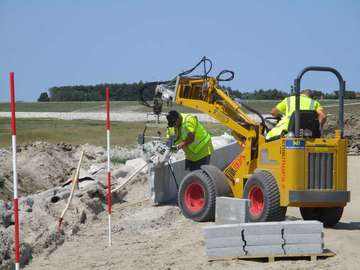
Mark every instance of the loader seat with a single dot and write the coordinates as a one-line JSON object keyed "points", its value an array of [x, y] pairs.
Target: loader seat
{"points": [[308, 120]]}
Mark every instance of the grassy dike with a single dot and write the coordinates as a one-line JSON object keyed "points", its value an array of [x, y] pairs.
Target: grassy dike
{"points": [[80, 131]]}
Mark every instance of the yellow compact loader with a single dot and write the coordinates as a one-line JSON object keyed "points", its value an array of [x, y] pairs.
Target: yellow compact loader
{"points": [[300, 169]]}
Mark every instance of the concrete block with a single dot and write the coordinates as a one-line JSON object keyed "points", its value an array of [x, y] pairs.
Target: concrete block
{"points": [[225, 252], [222, 231], [261, 228], [231, 210], [264, 250], [313, 238], [224, 242], [263, 240], [303, 248], [302, 227]]}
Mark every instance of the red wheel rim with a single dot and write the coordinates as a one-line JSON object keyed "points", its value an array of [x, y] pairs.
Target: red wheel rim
{"points": [[194, 197], [256, 198]]}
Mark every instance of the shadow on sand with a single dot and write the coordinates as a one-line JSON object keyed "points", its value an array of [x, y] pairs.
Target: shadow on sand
{"points": [[347, 226]]}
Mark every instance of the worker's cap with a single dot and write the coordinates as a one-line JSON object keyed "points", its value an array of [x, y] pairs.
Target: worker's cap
{"points": [[171, 117]]}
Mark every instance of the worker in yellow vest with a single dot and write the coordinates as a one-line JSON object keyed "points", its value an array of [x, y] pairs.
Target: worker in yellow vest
{"points": [[286, 108], [190, 136]]}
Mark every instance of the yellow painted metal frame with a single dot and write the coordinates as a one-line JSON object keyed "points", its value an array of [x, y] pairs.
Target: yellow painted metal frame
{"points": [[288, 166]]}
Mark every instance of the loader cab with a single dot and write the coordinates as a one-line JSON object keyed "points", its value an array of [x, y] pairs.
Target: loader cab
{"points": [[301, 169]]}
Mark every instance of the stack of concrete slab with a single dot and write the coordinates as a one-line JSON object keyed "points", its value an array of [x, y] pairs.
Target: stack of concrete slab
{"points": [[303, 237], [264, 239]]}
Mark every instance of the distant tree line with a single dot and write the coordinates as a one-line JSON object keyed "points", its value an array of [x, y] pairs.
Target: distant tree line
{"points": [[130, 92], [123, 91]]}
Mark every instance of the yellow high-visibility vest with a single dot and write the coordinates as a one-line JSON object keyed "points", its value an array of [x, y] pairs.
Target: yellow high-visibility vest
{"points": [[287, 107], [201, 146]]}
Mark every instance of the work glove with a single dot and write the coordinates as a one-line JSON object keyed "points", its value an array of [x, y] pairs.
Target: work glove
{"points": [[174, 148]]}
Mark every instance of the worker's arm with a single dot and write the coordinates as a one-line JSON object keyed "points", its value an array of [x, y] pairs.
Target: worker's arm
{"points": [[275, 112], [322, 117], [279, 109], [189, 140], [190, 125], [321, 113]]}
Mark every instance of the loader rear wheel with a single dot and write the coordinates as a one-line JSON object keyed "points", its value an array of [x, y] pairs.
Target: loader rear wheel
{"points": [[329, 216], [198, 191], [262, 191]]}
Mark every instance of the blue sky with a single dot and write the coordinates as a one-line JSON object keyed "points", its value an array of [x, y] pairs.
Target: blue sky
{"points": [[266, 43]]}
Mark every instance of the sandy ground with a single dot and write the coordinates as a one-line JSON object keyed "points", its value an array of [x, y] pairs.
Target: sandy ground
{"points": [[147, 237]]}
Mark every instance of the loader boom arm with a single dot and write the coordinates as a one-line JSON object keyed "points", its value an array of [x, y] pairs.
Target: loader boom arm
{"points": [[204, 94]]}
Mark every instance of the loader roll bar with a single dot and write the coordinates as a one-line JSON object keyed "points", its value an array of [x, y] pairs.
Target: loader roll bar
{"points": [[297, 88]]}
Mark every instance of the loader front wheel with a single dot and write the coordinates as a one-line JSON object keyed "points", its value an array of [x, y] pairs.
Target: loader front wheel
{"points": [[329, 216], [197, 196], [262, 191]]}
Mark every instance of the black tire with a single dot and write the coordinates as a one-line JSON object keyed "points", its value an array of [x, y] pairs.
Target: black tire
{"points": [[221, 182], [329, 216], [268, 209], [213, 184]]}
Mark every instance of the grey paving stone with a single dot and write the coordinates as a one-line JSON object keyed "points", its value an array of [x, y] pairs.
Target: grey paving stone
{"points": [[303, 248], [264, 250], [302, 227], [224, 242], [313, 238], [225, 252], [262, 240], [231, 210], [220, 231]]}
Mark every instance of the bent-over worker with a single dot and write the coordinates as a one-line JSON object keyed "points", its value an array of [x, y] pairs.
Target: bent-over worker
{"points": [[190, 136], [286, 107]]}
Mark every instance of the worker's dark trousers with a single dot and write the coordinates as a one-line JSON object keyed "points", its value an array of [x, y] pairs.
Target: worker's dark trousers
{"points": [[195, 165]]}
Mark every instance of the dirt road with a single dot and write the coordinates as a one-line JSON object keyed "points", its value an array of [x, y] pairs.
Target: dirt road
{"points": [[126, 116], [147, 237]]}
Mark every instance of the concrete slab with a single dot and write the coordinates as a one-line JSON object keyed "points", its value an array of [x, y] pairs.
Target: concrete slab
{"points": [[313, 238], [302, 227], [225, 252], [224, 242], [231, 210], [262, 240], [303, 249], [262, 228], [162, 186], [222, 231], [264, 250]]}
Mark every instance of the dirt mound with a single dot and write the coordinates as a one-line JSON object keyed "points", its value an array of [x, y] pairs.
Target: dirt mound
{"points": [[38, 215], [351, 131], [43, 165]]}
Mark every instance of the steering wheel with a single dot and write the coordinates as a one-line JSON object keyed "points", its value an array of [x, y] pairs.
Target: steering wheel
{"points": [[271, 121]]}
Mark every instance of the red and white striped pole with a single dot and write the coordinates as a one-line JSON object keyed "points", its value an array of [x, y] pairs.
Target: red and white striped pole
{"points": [[16, 201], [108, 158]]}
